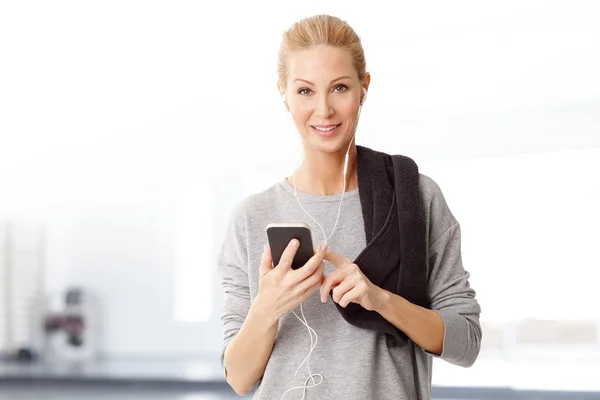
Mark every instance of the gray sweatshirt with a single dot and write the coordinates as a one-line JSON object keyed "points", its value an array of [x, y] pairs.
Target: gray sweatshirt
{"points": [[355, 363]]}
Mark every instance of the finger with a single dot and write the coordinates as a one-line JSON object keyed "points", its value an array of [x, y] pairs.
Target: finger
{"points": [[351, 296], [314, 279], [335, 259], [311, 265], [309, 291], [332, 279], [345, 286], [266, 261], [288, 255]]}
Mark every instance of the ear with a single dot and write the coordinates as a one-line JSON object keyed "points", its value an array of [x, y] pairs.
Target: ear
{"points": [[366, 81], [365, 88]]}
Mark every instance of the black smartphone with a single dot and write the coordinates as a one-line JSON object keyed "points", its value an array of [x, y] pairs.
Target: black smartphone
{"points": [[281, 234]]}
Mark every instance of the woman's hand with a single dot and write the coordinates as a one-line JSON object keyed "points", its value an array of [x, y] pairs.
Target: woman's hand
{"points": [[282, 288], [349, 284]]}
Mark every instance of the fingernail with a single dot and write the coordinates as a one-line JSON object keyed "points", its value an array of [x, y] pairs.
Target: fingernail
{"points": [[323, 247], [265, 248], [294, 243]]}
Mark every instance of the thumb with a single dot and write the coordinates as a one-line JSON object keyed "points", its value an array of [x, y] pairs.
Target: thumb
{"points": [[266, 262]]}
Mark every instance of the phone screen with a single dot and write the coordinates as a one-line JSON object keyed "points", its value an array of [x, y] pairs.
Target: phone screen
{"points": [[280, 235]]}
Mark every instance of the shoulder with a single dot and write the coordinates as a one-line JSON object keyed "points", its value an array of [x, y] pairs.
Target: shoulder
{"points": [[257, 204], [430, 190], [433, 200], [243, 222], [431, 194], [438, 216]]}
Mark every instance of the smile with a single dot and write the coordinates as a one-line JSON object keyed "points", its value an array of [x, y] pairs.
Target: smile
{"points": [[325, 130]]}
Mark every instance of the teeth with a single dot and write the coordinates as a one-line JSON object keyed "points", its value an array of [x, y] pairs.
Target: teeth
{"points": [[325, 129]]}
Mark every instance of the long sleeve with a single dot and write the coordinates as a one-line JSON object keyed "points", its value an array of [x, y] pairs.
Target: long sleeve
{"points": [[450, 292], [232, 266]]}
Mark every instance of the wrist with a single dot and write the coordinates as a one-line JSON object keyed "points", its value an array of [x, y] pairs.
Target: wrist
{"points": [[264, 312], [382, 301]]}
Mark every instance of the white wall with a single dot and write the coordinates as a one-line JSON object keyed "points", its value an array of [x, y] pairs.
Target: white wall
{"points": [[107, 108]]}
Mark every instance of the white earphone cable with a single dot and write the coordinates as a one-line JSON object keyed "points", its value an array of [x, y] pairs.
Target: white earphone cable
{"points": [[311, 376]]}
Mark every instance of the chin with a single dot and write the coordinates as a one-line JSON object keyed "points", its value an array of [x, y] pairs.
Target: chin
{"points": [[334, 144]]}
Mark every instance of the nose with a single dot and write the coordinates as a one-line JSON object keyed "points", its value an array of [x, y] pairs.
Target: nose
{"points": [[323, 107]]}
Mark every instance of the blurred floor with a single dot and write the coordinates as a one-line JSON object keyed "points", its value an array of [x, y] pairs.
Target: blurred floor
{"points": [[24, 393], [204, 380], [28, 393], [21, 391]]}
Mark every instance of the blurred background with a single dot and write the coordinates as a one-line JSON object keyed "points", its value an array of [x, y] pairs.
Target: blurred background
{"points": [[129, 130]]}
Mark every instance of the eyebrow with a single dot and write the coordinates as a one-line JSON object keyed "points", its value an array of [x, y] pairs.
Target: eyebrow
{"points": [[335, 80]]}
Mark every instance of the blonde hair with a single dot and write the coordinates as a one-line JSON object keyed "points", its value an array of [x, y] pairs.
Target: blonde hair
{"points": [[320, 30]]}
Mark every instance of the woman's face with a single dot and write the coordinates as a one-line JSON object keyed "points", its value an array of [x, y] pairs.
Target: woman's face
{"points": [[323, 95]]}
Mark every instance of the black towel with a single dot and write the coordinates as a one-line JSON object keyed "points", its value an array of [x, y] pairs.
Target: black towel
{"points": [[394, 220]]}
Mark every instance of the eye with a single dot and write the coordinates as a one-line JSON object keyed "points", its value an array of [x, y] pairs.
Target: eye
{"points": [[304, 91], [340, 88]]}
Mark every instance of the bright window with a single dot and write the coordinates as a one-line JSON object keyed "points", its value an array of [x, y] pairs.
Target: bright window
{"points": [[193, 252]]}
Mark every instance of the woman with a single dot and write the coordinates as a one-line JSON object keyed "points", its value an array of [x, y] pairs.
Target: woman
{"points": [[378, 333]]}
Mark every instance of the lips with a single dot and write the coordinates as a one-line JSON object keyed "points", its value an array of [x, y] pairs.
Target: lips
{"points": [[325, 130]]}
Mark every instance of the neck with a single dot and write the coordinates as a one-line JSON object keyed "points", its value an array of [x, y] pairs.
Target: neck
{"points": [[323, 173]]}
